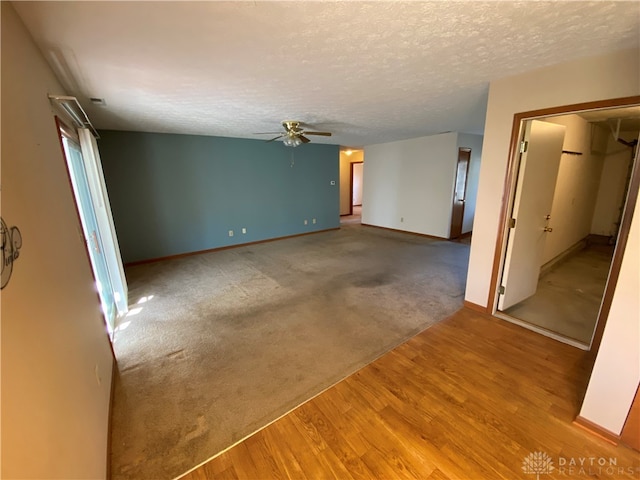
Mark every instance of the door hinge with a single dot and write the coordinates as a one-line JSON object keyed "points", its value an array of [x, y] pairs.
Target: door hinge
{"points": [[512, 223], [501, 289], [523, 146]]}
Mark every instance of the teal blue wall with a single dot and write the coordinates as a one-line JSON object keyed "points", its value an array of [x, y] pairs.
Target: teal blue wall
{"points": [[173, 194]]}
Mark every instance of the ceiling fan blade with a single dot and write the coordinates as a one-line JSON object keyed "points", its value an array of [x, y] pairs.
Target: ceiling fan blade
{"points": [[267, 133], [324, 134], [304, 139], [275, 138]]}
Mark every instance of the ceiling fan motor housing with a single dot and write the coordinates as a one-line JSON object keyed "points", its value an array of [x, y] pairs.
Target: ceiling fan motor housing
{"points": [[292, 126]]}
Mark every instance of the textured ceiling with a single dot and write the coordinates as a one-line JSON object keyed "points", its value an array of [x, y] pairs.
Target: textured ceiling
{"points": [[368, 71]]}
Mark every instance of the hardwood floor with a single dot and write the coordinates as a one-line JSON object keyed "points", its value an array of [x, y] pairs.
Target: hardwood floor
{"points": [[469, 398]]}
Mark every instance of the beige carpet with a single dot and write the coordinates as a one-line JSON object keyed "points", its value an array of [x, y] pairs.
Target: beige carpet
{"points": [[225, 342]]}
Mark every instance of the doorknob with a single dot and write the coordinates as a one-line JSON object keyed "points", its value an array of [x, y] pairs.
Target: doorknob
{"points": [[548, 229]]}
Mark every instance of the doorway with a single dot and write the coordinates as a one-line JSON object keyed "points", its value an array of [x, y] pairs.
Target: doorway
{"points": [[351, 184], [86, 211], [460, 192], [356, 172], [571, 179], [355, 202], [92, 204]]}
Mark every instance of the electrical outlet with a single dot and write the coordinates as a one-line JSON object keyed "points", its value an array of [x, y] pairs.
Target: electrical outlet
{"points": [[313, 221], [244, 230], [231, 233], [306, 222]]}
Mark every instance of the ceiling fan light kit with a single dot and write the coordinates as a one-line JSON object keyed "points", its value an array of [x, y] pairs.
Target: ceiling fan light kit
{"points": [[291, 141]]}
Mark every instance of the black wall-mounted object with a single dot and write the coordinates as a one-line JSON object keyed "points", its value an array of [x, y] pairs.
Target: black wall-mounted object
{"points": [[11, 245]]}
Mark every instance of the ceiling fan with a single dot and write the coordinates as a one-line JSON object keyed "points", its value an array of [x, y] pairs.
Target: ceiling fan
{"points": [[294, 134]]}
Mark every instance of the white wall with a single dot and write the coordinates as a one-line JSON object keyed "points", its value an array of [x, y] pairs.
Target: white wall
{"points": [[595, 78], [611, 191], [345, 177], [589, 79], [54, 412], [576, 188], [408, 185], [616, 373], [474, 142]]}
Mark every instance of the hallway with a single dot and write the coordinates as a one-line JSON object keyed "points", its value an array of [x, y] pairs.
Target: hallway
{"points": [[355, 217]]}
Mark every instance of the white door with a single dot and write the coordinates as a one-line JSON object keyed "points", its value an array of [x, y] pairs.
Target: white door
{"points": [[536, 184]]}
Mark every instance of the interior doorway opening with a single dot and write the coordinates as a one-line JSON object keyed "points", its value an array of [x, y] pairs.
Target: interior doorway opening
{"points": [[351, 185], [571, 182], [460, 192], [357, 169]]}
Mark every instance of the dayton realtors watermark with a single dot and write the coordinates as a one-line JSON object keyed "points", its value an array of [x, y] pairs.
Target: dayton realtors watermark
{"points": [[594, 466], [540, 463]]}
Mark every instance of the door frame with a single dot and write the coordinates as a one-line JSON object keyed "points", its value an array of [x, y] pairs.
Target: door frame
{"points": [[507, 199], [351, 164], [64, 130], [464, 193]]}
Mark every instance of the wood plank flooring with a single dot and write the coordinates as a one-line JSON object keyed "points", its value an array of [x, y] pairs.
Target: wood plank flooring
{"points": [[469, 398]]}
